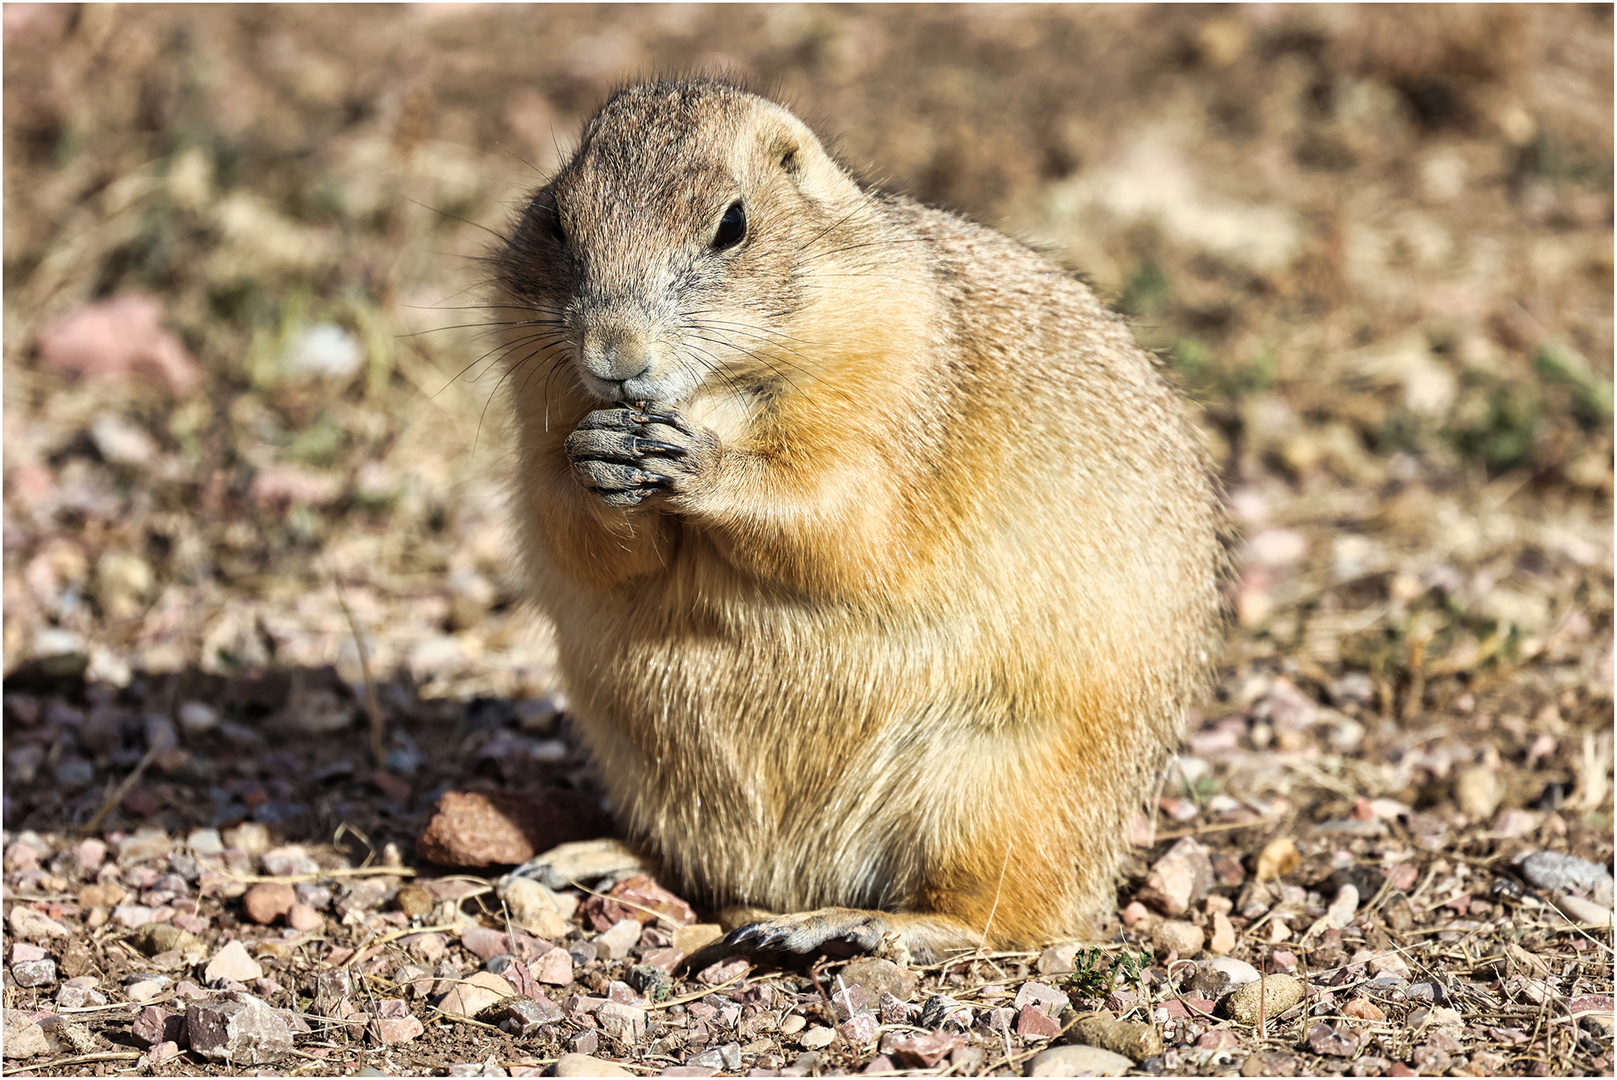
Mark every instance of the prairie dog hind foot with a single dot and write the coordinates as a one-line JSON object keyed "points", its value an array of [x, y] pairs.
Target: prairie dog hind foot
{"points": [[921, 938]]}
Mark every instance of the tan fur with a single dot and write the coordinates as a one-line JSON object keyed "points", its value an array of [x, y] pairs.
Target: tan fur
{"points": [[912, 623]]}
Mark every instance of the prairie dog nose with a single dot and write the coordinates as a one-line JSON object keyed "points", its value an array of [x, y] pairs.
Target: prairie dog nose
{"points": [[616, 353]]}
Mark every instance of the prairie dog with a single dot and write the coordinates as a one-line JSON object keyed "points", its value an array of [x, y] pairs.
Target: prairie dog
{"points": [[883, 562]]}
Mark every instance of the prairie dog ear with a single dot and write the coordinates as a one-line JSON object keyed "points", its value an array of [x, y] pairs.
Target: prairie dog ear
{"points": [[790, 147]]}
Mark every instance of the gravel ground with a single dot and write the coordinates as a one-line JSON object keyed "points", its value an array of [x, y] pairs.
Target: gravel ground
{"points": [[261, 627]]}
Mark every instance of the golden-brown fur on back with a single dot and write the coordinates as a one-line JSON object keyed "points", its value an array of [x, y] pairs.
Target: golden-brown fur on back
{"points": [[890, 586]]}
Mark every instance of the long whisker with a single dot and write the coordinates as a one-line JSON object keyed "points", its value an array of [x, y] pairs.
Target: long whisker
{"points": [[776, 371], [505, 348], [737, 328], [717, 368], [476, 325]]}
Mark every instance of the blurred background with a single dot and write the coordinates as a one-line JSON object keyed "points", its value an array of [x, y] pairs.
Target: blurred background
{"points": [[243, 362]]}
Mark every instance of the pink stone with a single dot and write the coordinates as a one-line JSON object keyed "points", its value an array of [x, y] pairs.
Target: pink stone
{"points": [[194, 924], [1401, 878], [723, 971], [303, 918], [859, 1029], [1134, 913], [20, 856], [922, 1051], [23, 953], [1034, 1023], [268, 901], [162, 1052], [554, 968], [663, 959], [91, 853], [484, 942], [111, 338], [154, 1025], [1179, 879], [401, 1029]]}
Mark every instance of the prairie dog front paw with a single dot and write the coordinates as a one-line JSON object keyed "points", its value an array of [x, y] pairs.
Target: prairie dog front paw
{"points": [[631, 451]]}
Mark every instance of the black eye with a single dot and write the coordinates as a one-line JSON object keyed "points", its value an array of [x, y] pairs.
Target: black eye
{"points": [[732, 227], [553, 219]]}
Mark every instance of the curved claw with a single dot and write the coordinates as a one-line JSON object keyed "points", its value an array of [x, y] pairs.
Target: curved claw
{"points": [[808, 931]]}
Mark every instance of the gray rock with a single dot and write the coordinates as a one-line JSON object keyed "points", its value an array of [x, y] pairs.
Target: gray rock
{"points": [[34, 973], [525, 1016], [1567, 873], [730, 1055], [1049, 1000], [22, 1037], [238, 1031], [624, 1022], [75, 994], [1079, 1061]]}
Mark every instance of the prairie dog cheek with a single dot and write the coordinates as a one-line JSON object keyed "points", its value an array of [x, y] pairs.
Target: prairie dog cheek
{"points": [[722, 410]]}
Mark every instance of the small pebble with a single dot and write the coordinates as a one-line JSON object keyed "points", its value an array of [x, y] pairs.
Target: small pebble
{"points": [[30, 925], [1133, 1040], [1271, 996], [1173, 935], [146, 986], [267, 901], [303, 918], [617, 941], [1079, 1061], [1567, 873], [34, 973], [23, 1038], [90, 854], [233, 963], [1180, 879]]}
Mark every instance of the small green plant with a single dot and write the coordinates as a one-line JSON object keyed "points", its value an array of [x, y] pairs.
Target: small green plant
{"points": [[1095, 971], [1591, 395]]}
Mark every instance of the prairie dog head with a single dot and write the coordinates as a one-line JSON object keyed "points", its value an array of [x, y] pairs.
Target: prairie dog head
{"points": [[674, 250]]}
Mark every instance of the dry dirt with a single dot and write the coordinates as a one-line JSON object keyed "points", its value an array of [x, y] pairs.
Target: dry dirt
{"points": [[1374, 243]]}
